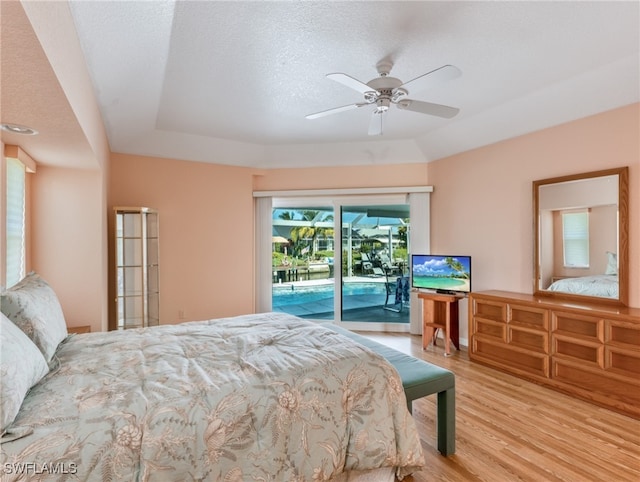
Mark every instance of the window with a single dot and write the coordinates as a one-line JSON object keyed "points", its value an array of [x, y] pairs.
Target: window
{"points": [[15, 265], [575, 239]]}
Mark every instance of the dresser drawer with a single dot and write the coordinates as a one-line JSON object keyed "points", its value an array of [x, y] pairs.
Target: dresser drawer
{"points": [[508, 356], [623, 362], [579, 350], [622, 334], [597, 382], [529, 316], [490, 328], [529, 339], [582, 327], [490, 310]]}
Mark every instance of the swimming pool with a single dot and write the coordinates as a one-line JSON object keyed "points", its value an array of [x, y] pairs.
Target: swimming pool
{"points": [[286, 295]]}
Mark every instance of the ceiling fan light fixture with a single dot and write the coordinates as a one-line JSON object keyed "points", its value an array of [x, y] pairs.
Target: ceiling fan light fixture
{"points": [[398, 94], [371, 97], [383, 105]]}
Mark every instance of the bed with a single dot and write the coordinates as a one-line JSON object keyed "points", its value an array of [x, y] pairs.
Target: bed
{"points": [[604, 286], [255, 397]]}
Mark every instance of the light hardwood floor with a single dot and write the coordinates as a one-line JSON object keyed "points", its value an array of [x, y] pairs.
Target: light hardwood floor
{"points": [[508, 429]]}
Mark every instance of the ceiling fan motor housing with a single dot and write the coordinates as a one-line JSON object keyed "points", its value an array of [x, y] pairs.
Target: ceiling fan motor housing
{"points": [[382, 83], [387, 89]]}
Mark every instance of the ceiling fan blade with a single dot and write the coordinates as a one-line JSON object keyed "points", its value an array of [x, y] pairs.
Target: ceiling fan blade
{"points": [[335, 110], [377, 123], [433, 78], [349, 81], [428, 108]]}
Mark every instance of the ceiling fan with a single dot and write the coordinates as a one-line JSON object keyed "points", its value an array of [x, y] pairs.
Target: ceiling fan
{"points": [[385, 90]]}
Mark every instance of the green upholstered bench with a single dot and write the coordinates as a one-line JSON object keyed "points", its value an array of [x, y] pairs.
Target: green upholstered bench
{"points": [[419, 379]]}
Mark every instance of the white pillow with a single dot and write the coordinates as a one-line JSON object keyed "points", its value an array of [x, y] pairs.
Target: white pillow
{"points": [[21, 367], [34, 307], [612, 263]]}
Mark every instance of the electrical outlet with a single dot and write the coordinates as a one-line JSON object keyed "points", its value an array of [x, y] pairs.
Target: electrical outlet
{"points": [[181, 314]]}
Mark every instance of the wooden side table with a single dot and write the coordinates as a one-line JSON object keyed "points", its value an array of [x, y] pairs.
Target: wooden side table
{"points": [[440, 311], [79, 329]]}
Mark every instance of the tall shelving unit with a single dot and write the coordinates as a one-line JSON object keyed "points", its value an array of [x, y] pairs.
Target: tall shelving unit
{"points": [[137, 265]]}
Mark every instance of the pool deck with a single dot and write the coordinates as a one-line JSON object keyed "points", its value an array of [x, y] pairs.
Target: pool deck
{"points": [[330, 281], [362, 307]]}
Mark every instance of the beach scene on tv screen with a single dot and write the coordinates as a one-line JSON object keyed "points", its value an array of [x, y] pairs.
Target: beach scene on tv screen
{"points": [[442, 273]]}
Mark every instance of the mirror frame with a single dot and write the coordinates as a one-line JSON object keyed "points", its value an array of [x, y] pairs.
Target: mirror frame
{"points": [[623, 237]]}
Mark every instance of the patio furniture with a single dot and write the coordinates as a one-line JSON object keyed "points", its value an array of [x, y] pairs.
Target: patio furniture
{"points": [[398, 291], [368, 266]]}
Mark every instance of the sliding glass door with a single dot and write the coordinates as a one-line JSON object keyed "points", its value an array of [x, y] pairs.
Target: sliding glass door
{"points": [[364, 281], [375, 283]]}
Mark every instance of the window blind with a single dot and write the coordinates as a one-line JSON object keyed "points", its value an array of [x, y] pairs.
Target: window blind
{"points": [[15, 263], [575, 235]]}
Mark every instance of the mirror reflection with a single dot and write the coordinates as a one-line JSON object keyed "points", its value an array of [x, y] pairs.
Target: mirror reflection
{"points": [[578, 236]]}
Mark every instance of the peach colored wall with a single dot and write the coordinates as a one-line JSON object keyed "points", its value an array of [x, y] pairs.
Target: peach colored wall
{"points": [[3, 217], [206, 232], [70, 204], [67, 239], [482, 199], [481, 206], [206, 223], [391, 175]]}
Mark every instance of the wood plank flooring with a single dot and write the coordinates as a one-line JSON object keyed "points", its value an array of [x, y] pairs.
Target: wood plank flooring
{"points": [[508, 429]]}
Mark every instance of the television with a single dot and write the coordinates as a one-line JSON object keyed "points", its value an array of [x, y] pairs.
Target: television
{"points": [[441, 273]]}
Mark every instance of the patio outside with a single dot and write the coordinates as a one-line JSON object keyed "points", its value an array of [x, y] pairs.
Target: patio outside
{"points": [[374, 276]]}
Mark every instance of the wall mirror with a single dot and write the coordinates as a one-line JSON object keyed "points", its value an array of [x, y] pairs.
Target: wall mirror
{"points": [[581, 226]]}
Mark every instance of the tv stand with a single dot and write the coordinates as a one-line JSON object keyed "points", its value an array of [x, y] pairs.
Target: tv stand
{"points": [[440, 312]]}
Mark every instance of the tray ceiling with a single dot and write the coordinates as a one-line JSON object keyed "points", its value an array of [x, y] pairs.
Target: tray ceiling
{"points": [[231, 82]]}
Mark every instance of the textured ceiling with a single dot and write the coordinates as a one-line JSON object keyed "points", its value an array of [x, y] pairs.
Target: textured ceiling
{"points": [[231, 82]]}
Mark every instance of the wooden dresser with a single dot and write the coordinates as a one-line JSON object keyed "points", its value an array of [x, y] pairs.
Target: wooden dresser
{"points": [[588, 350]]}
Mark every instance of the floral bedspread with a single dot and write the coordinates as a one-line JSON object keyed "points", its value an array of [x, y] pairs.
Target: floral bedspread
{"points": [[266, 397]]}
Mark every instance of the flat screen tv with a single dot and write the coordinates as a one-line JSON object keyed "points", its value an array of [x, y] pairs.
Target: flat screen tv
{"points": [[441, 273]]}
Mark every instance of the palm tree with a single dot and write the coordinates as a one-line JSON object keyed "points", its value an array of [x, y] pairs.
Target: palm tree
{"points": [[326, 233], [300, 233], [402, 235], [456, 265], [287, 215]]}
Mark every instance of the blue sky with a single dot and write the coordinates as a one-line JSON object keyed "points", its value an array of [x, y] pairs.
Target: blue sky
{"points": [[436, 266]]}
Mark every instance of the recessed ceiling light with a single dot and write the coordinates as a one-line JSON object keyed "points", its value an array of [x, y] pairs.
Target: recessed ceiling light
{"points": [[18, 129]]}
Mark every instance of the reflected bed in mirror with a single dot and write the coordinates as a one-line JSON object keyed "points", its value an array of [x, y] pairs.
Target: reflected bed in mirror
{"points": [[581, 236]]}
